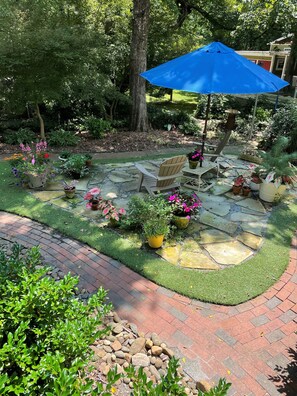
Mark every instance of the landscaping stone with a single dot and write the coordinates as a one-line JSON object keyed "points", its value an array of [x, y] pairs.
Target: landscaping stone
{"points": [[137, 345], [234, 197], [222, 187], [170, 254], [82, 184], [254, 227], [140, 360], [206, 197], [120, 177], [252, 204], [228, 253], [194, 227], [220, 209], [238, 216], [218, 222], [53, 186], [251, 240], [212, 235], [197, 260]]}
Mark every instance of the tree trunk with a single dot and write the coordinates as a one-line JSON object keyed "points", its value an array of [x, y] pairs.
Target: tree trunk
{"points": [[41, 122], [138, 53]]}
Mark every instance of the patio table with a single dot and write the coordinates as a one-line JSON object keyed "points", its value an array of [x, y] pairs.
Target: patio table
{"points": [[192, 178]]}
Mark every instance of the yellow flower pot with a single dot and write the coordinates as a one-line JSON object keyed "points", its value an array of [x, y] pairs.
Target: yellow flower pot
{"points": [[181, 222], [155, 241]]}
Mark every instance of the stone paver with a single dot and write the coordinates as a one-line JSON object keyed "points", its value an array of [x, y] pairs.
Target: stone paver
{"points": [[228, 253], [212, 220], [216, 341]]}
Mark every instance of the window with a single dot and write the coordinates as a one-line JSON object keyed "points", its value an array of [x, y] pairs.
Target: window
{"points": [[279, 64]]}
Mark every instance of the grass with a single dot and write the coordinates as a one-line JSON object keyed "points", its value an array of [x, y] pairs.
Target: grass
{"points": [[230, 286]]}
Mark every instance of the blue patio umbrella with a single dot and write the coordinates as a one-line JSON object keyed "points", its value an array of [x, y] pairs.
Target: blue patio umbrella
{"points": [[214, 69]]}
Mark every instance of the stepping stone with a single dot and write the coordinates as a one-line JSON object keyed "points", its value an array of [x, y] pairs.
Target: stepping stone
{"points": [[234, 197], [252, 204], [228, 253], [82, 185], [130, 186], [61, 202], [238, 216], [253, 241], [48, 195], [214, 236], [170, 254], [222, 187], [218, 222], [54, 186], [254, 227], [191, 245], [205, 197], [197, 260], [194, 227], [109, 190], [120, 177], [220, 209]]}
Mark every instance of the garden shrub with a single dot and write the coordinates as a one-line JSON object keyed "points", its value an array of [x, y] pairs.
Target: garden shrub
{"points": [[97, 126], [284, 123], [190, 128], [218, 105], [160, 118], [23, 135], [75, 166], [62, 138], [45, 331]]}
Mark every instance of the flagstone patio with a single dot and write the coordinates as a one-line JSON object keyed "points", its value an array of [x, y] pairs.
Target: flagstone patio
{"points": [[229, 231]]}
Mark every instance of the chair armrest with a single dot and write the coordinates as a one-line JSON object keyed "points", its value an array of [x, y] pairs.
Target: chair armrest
{"points": [[145, 172]]}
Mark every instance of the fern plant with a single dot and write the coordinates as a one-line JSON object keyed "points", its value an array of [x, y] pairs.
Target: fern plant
{"points": [[276, 162]]}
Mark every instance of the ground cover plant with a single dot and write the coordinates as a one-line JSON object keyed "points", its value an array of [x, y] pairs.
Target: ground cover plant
{"points": [[230, 286]]}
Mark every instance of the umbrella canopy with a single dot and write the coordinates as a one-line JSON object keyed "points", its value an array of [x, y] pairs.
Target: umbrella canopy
{"points": [[214, 68]]}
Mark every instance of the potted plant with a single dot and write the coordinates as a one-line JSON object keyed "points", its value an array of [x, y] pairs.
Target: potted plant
{"points": [[75, 166], [246, 189], [88, 160], [93, 198], [275, 170], [184, 205], [237, 185], [194, 157], [64, 156], [111, 213], [35, 165], [69, 188], [155, 230]]}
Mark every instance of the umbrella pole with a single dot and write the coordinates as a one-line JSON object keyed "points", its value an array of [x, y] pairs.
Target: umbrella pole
{"points": [[205, 127]]}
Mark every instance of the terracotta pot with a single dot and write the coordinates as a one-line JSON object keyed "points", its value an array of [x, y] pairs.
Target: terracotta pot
{"points": [[95, 205], [236, 190], [246, 191], [181, 222], [155, 241], [70, 193], [193, 164]]}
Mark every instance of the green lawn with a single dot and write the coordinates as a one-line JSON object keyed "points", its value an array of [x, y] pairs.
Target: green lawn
{"points": [[230, 286]]}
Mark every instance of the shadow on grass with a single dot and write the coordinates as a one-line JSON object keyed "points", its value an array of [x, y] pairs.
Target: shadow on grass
{"points": [[286, 379]]}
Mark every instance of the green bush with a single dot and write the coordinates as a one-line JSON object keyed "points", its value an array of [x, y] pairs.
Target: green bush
{"points": [[75, 166], [263, 115], [23, 135], [161, 118], [142, 210], [62, 138], [218, 105], [284, 123], [190, 128], [45, 331], [97, 127]]}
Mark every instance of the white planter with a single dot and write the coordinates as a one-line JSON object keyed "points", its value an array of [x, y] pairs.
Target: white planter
{"points": [[269, 192], [255, 186], [36, 181]]}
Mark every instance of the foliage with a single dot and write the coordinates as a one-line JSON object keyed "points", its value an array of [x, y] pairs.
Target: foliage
{"points": [[23, 135], [97, 126], [184, 203], [276, 163], [110, 211], [195, 155], [156, 226], [45, 330], [263, 115], [65, 154], [284, 123], [62, 138], [219, 390], [169, 384], [218, 105], [75, 166], [141, 210], [93, 195], [190, 128], [160, 118]]}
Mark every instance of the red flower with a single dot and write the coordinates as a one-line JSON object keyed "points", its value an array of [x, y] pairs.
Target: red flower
{"points": [[46, 155]]}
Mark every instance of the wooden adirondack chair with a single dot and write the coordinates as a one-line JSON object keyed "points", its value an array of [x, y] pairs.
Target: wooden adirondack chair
{"points": [[165, 179]]}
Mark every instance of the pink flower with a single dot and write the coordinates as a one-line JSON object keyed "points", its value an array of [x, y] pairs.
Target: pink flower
{"points": [[88, 196], [105, 211], [122, 211], [88, 205], [33, 161], [172, 198], [94, 191]]}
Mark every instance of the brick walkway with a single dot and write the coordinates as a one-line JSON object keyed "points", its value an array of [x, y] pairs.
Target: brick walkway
{"points": [[253, 344]]}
